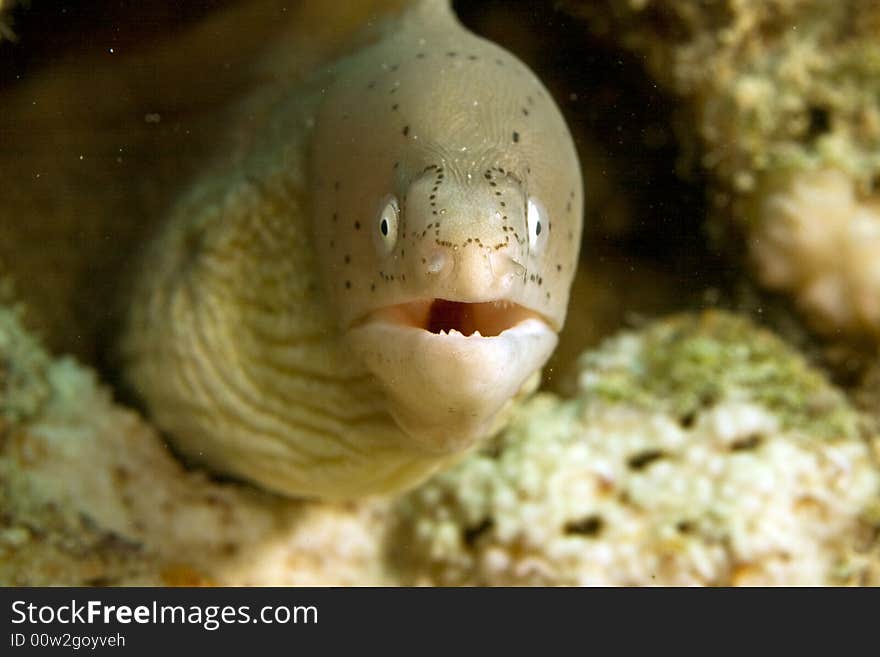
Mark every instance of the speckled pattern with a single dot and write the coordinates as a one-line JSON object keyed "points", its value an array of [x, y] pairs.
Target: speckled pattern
{"points": [[360, 294]]}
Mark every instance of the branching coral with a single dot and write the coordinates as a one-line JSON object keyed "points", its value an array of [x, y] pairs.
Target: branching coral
{"points": [[700, 451]]}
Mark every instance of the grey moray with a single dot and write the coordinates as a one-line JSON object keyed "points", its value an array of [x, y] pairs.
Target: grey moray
{"points": [[360, 294]]}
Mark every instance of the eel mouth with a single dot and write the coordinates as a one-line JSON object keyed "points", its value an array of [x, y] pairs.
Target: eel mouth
{"points": [[485, 319], [449, 367]]}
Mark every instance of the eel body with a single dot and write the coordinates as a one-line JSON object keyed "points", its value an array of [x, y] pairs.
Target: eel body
{"points": [[358, 295]]}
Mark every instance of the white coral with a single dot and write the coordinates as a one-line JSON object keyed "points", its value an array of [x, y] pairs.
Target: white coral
{"points": [[816, 238], [697, 514]]}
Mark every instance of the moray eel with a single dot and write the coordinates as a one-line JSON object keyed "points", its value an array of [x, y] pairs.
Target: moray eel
{"points": [[360, 292]]}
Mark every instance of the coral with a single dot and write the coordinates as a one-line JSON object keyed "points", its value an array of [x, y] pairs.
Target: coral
{"points": [[815, 237], [23, 366], [867, 395], [779, 86], [90, 494], [698, 451]]}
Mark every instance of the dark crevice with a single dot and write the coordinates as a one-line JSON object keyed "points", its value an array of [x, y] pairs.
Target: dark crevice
{"points": [[472, 534], [819, 123], [750, 442], [645, 458], [590, 526]]}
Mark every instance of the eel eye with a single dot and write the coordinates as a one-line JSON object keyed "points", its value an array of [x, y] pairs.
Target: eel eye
{"points": [[538, 224], [387, 223]]}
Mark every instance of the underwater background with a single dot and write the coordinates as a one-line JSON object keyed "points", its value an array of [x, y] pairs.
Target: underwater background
{"points": [[710, 416]]}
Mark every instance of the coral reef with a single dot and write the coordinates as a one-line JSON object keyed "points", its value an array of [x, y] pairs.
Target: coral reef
{"points": [[700, 450], [695, 450], [787, 86]]}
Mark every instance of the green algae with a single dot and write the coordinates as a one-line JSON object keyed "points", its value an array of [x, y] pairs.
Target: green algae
{"points": [[687, 363]]}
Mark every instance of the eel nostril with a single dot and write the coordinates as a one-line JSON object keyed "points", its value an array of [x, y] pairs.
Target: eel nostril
{"points": [[435, 262], [504, 266]]}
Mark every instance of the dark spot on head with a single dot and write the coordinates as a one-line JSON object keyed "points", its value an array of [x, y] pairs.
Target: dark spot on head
{"points": [[684, 526], [405, 130], [515, 137], [347, 259], [357, 225], [451, 53], [420, 55], [589, 526], [394, 107], [347, 285], [337, 185], [396, 164], [473, 58], [558, 267], [372, 287]]}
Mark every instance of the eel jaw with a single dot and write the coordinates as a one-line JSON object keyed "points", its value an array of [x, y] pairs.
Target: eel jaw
{"points": [[449, 367]]}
